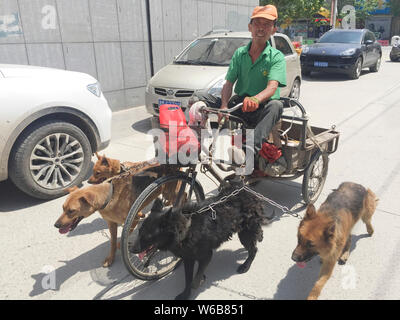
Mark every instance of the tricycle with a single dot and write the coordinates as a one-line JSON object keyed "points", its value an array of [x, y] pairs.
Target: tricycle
{"points": [[306, 149]]}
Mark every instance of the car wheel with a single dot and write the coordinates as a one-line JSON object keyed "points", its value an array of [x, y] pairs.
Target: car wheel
{"points": [[377, 65], [393, 58], [356, 69], [295, 92], [49, 158]]}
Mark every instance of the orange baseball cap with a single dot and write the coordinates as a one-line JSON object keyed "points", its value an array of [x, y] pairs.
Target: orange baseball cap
{"points": [[267, 12]]}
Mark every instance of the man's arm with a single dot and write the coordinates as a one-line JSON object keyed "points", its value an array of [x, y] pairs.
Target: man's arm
{"points": [[268, 92], [226, 94], [251, 104]]}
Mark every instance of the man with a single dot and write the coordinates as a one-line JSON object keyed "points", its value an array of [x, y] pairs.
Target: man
{"points": [[259, 70]]}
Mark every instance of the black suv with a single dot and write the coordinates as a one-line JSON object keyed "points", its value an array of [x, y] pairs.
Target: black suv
{"points": [[343, 51]]}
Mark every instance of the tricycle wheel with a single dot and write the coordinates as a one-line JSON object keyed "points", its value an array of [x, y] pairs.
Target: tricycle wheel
{"points": [[152, 263], [315, 176]]}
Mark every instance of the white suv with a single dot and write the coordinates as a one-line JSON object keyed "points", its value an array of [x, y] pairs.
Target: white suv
{"points": [[51, 122]]}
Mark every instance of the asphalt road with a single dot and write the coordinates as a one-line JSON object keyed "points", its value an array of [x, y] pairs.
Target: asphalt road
{"points": [[40, 263]]}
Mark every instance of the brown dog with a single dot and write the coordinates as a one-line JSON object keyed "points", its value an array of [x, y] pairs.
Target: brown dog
{"points": [[112, 199], [105, 168], [327, 232]]}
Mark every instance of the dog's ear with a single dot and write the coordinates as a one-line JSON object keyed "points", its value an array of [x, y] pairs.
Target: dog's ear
{"points": [[104, 161], [72, 189], [310, 212], [157, 205], [88, 198], [329, 231]]}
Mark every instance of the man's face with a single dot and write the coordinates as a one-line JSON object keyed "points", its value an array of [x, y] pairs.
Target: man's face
{"points": [[261, 29]]}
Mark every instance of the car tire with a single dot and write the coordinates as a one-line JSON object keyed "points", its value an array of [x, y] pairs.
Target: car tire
{"points": [[356, 69], [393, 58], [295, 91], [49, 158], [376, 66]]}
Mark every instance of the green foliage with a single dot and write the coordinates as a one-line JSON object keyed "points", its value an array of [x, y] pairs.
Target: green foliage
{"points": [[306, 9], [295, 9], [363, 9]]}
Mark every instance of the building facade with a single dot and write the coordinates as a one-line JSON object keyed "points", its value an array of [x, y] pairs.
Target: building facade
{"points": [[109, 39]]}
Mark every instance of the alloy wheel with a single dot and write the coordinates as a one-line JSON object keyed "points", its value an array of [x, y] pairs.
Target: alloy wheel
{"points": [[56, 160]]}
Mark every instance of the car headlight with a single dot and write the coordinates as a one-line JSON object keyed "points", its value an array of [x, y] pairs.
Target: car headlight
{"points": [[305, 50], [95, 89], [216, 89], [348, 52]]}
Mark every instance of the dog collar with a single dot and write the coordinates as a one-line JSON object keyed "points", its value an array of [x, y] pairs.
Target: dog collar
{"points": [[110, 194], [123, 168]]}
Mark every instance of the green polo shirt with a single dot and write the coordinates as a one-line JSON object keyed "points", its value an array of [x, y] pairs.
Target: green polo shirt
{"points": [[253, 78]]}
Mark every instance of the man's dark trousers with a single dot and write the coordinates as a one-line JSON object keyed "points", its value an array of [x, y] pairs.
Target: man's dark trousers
{"points": [[262, 120]]}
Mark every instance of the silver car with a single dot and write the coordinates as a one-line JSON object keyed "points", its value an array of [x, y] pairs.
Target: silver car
{"points": [[203, 64]]}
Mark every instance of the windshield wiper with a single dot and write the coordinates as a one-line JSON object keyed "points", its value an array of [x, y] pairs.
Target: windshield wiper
{"points": [[200, 63], [190, 62]]}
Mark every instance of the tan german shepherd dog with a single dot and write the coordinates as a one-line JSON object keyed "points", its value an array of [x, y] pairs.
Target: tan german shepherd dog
{"points": [[327, 232]]}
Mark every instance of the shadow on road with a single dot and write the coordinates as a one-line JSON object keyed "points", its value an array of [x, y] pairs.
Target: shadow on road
{"points": [[11, 198], [89, 228], [170, 286], [142, 126], [330, 77], [89, 261]]}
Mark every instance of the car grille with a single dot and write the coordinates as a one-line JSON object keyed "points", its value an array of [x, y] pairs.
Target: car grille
{"points": [[323, 58], [160, 91], [179, 93], [184, 93]]}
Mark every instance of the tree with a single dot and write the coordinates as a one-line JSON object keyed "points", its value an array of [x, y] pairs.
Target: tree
{"points": [[363, 9], [295, 9]]}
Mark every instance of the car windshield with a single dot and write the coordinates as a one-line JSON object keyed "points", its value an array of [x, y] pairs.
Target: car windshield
{"points": [[211, 51], [341, 37]]}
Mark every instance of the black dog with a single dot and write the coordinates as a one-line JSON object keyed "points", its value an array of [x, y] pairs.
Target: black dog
{"points": [[194, 236]]}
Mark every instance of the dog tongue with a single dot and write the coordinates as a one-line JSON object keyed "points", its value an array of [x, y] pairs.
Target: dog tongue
{"points": [[64, 230], [301, 264]]}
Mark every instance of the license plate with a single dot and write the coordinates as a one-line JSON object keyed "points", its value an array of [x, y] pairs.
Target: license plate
{"points": [[320, 64], [162, 101]]}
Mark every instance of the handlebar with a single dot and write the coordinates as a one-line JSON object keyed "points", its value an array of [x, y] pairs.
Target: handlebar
{"points": [[225, 111], [287, 103]]}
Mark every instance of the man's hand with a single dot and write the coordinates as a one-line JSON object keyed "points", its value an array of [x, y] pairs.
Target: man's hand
{"points": [[250, 104]]}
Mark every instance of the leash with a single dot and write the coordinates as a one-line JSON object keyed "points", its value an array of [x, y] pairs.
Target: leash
{"points": [[235, 192]]}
